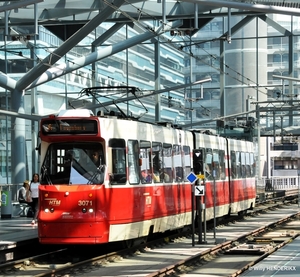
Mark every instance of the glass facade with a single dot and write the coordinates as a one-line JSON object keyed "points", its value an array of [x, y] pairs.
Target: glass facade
{"points": [[242, 68]]}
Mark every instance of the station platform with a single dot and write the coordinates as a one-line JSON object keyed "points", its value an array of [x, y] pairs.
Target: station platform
{"points": [[15, 223], [17, 229]]}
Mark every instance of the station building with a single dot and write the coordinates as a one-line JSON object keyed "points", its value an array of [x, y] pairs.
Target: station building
{"points": [[241, 65]]}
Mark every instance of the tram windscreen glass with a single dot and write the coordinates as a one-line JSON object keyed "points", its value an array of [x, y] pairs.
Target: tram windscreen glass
{"points": [[69, 126]]}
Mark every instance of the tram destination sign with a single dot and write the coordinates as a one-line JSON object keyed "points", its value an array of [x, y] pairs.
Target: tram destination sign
{"points": [[70, 126]]}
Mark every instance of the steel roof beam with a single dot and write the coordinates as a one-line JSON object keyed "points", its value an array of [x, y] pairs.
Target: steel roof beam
{"points": [[111, 31], [19, 4], [7, 82], [63, 69], [57, 54], [246, 6]]}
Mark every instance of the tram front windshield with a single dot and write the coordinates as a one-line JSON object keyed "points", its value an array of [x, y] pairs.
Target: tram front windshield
{"points": [[73, 164]]}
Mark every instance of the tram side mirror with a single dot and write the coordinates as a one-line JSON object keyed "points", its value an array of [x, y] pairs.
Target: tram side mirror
{"points": [[198, 161]]}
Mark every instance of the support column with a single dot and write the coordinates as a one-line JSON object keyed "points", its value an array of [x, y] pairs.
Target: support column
{"points": [[18, 157], [157, 79]]}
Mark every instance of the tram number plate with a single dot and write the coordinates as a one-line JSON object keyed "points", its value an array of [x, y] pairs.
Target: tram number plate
{"points": [[85, 203]]}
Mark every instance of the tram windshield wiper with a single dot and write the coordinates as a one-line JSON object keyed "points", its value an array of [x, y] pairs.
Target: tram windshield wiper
{"points": [[98, 176]]}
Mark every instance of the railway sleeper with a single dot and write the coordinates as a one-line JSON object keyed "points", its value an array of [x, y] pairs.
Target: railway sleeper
{"points": [[249, 249], [265, 240]]}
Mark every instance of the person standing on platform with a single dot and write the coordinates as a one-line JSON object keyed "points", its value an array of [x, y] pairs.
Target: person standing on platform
{"points": [[34, 188], [24, 195]]}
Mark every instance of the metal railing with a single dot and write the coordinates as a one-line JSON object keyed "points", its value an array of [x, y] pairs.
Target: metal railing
{"points": [[279, 183]]}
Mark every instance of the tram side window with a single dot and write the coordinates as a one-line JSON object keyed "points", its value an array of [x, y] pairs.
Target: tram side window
{"points": [[166, 170], [222, 164], [177, 163], [248, 166], [187, 160], [156, 160], [208, 164], [238, 165], [146, 165], [233, 165], [216, 164], [133, 162], [243, 164], [117, 157], [252, 164]]}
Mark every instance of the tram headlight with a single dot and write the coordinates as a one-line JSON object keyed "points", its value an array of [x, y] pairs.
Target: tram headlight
{"points": [[84, 210], [91, 210], [51, 210], [67, 193]]}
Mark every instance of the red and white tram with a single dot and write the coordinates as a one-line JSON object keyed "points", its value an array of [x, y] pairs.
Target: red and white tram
{"points": [[105, 179]]}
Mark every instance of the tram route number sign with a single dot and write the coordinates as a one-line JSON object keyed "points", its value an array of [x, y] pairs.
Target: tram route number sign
{"points": [[199, 190]]}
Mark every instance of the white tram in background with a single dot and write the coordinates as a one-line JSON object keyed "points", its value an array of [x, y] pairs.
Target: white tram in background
{"points": [[137, 186]]}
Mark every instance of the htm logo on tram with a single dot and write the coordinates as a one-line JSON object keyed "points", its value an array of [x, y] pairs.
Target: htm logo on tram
{"points": [[54, 202]]}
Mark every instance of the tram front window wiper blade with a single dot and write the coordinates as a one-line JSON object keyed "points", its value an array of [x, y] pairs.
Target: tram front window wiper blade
{"points": [[98, 176]]}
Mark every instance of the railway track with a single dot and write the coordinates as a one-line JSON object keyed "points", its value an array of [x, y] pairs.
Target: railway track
{"points": [[59, 263], [240, 254], [279, 195]]}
